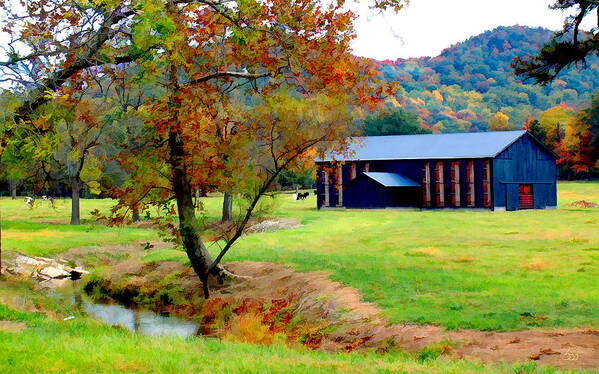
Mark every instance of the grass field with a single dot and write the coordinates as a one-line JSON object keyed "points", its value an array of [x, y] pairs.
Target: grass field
{"points": [[44, 230], [49, 344], [459, 269]]}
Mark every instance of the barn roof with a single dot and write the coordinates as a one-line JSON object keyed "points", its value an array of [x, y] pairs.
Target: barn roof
{"points": [[430, 146], [392, 179]]}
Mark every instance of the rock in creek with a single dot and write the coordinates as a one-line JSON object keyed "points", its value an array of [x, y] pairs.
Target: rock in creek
{"points": [[43, 269]]}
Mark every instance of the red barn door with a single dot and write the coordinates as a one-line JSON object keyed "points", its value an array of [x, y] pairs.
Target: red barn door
{"points": [[526, 197]]}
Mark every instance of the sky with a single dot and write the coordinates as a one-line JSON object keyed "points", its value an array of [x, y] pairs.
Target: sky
{"points": [[426, 27]]}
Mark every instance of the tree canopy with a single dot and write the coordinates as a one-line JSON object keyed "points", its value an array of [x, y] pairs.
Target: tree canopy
{"points": [[469, 82], [393, 121], [238, 92]]}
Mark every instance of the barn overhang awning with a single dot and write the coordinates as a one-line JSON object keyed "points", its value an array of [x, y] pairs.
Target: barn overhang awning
{"points": [[392, 179]]}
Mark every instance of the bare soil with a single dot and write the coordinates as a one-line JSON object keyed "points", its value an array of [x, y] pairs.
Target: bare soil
{"points": [[273, 224], [310, 309], [584, 204], [11, 326]]}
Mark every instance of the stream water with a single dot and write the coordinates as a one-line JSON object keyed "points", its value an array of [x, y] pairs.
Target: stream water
{"points": [[139, 321]]}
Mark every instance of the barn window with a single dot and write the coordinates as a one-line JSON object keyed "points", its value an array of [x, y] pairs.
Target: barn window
{"points": [[426, 183], [366, 167], [470, 181], [339, 187], [455, 183], [440, 184], [353, 171], [325, 177], [487, 183]]}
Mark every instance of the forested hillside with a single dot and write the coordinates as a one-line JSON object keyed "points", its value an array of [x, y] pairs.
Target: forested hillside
{"points": [[470, 82]]}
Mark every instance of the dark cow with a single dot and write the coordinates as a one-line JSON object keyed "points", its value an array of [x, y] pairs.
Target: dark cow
{"points": [[302, 196]]}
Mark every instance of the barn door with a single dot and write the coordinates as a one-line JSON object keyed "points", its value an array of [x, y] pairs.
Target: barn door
{"points": [[526, 197]]}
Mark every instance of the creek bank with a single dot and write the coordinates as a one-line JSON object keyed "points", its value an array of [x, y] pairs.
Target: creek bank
{"points": [[277, 304]]}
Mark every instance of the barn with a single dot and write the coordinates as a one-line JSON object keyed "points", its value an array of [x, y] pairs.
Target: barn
{"points": [[501, 170]]}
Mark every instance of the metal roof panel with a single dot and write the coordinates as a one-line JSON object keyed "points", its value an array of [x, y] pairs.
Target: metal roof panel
{"points": [[428, 146], [392, 179]]}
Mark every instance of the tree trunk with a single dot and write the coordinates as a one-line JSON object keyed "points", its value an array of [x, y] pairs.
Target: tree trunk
{"points": [[227, 207], [13, 189], [198, 254], [135, 214], [197, 202], [188, 225], [76, 189]]}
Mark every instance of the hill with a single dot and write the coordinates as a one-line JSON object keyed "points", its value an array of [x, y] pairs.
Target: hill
{"points": [[469, 82]]}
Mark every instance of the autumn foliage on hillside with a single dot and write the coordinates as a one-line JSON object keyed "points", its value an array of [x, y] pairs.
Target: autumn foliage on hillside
{"points": [[470, 82]]}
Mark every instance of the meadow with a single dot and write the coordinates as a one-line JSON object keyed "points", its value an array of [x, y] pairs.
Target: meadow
{"points": [[458, 269], [82, 345]]}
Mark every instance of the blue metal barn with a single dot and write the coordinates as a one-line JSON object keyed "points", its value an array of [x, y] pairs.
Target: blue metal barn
{"points": [[502, 170]]}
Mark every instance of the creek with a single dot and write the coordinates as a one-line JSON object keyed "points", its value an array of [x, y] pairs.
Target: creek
{"points": [[140, 321]]}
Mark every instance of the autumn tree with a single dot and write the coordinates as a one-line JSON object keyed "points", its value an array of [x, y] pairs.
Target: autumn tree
{"points": [[499, 122], [581, 138], [285, 54], [554, 121], [303, 59], [533, 126]]}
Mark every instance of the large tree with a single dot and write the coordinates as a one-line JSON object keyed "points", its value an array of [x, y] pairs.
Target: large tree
{"points": [[289, 59]]}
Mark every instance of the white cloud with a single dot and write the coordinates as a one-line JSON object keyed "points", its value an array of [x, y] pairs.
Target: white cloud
{"points": [[426, 27]]}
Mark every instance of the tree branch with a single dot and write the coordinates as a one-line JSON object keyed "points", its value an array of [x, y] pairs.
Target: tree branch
{"points": [[254, 202], [227, 74]]}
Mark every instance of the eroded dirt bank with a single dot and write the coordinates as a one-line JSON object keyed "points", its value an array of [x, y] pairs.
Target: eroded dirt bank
{"points": [[277, 303]]}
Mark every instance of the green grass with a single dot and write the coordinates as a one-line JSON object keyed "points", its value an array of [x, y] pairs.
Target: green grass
{"points": [[82, 345], [45, 231], [460, 269]]}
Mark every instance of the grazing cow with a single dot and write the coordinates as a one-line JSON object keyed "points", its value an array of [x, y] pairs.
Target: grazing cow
{"points": [[302, 196]]}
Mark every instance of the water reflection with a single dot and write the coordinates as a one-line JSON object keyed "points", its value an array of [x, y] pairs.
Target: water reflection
{"points": [[140, 321]]}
